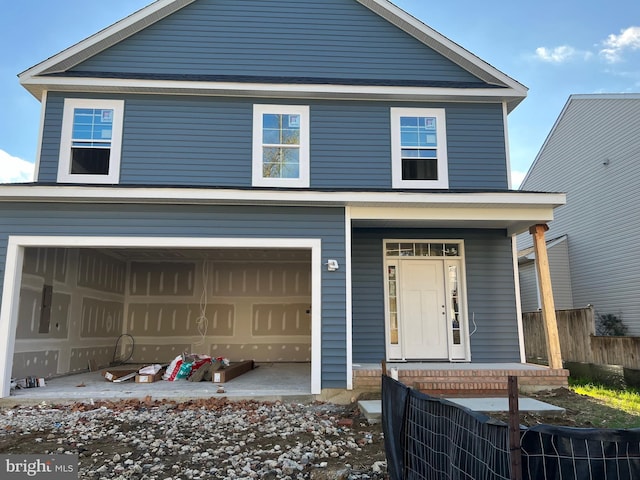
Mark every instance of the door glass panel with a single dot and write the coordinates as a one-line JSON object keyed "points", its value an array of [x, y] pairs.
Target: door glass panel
{"points": [[393, 304], [437, 250], [422, 249], [406, 249], [454, 302], [451, 249], [393, 249]]}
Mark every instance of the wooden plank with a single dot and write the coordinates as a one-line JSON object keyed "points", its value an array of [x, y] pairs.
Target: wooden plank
{"points": [[546, 296], [232, 371]]}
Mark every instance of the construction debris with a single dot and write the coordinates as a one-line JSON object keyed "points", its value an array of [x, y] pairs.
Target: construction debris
{"points": [[150, 374], [195, 368]]}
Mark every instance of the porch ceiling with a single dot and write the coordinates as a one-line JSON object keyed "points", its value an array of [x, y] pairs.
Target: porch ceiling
{"points": [[514, 219]]}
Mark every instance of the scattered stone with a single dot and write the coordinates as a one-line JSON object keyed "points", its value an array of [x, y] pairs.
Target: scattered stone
{"points": [[200, 439]]}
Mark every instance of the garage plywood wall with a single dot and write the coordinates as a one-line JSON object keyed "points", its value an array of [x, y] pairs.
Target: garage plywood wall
{"points": [[86, 295], [256, 310], [253, 310]]}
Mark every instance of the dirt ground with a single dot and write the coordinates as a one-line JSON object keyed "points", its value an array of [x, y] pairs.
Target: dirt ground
{"points": [[109, 430], [581, 411]]}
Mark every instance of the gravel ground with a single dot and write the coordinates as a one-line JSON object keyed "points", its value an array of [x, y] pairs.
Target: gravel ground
{"points": [[202, 439]]}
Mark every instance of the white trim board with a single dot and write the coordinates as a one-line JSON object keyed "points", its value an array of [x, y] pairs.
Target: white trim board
{"points": [[516, 285], [348, 295], [167, 195], [36, 84], [13, 279]]}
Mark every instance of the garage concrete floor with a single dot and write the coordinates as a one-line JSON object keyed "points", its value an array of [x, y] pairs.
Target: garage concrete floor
{"points": [[268, 382]]}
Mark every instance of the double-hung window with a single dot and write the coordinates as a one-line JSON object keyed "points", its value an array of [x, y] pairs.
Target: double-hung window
{"points": [[419, 148], [281, 145], [91, 141]]}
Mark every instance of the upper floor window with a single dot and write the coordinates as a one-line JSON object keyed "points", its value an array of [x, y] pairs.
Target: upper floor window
{"points": [[419, 148], [281, 145], [91, 141]]}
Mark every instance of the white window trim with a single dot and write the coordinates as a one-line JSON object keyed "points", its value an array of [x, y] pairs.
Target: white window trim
{"points": [[396, 147], [303, 180], [64, 160]]}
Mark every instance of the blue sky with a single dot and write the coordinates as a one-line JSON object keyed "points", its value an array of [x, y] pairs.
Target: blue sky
{"points": [[555, 48]]}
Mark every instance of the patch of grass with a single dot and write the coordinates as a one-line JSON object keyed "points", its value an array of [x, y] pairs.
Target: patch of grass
{"points": [[627, 399]]}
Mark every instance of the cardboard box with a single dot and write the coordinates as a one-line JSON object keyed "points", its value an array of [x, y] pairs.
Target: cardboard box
{"points": [[149, 378], [232, 371], [119, 375]]}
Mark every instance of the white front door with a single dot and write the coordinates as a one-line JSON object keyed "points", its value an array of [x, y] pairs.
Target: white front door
{"points": [[423, 318], [425, 300]]}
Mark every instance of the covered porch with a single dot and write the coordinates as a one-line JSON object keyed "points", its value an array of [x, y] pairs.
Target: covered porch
{"points": [[435, 293]]}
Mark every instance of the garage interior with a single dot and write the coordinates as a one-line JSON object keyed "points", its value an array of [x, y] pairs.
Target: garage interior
{"points": [[149, 305]]}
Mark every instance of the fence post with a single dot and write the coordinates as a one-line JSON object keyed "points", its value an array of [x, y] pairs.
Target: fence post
{"points": [[384, 368], [515, 453]]}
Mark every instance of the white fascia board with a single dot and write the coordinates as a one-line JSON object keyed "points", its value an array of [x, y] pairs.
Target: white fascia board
{"points": [[442, 44], [43, 109], [159, 195], [105, 38], [285, 90], [543, 213]]}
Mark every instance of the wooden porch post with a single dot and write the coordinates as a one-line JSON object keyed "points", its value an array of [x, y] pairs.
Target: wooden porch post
{"points": [[546, 296]]}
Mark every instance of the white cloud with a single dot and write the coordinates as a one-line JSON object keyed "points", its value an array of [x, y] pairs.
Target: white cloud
{"points": [[615, 45], [14, 169], [560, 54], [516, 179]]}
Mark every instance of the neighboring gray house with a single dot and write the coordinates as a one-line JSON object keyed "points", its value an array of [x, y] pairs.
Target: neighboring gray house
{"points": [[558, 253], [320, 182], [593, 154]]}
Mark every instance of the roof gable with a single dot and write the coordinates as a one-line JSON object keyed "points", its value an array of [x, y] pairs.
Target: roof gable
{"points": [[334, 39], [331, 42]]}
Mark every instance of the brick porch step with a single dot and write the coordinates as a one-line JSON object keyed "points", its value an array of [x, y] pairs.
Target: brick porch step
{"points": [[464, 381], [461, 387]]}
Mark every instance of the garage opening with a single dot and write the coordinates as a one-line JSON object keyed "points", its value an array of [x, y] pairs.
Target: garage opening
{"points": [[98, 306]]}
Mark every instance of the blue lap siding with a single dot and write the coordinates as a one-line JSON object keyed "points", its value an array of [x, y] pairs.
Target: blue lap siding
{"points": [[206, 141], [326, 224], [285, 38], [490, 292]]}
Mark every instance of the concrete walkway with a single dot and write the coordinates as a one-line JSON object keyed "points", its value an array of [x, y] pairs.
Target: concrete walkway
{"points": [[372, 409]]}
